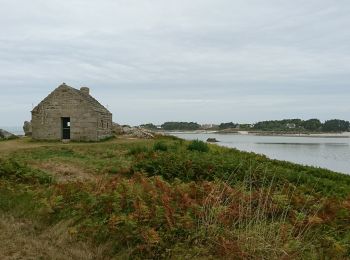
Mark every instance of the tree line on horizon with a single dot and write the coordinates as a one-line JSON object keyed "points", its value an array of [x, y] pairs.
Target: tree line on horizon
{"points": [[311, 125]]}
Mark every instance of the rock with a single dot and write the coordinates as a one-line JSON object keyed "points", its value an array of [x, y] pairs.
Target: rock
{"points": [[127, 130], [142, 133], [7, 135], [212, 140], [132, 131], [117, 129], [27, 128]]}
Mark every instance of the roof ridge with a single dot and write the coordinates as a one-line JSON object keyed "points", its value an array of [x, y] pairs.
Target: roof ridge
{"points": [[96, 105]]}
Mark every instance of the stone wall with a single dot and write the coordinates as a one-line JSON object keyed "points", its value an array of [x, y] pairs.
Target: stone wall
{"points": [[85, 122], [27, 128], [105, 124]]}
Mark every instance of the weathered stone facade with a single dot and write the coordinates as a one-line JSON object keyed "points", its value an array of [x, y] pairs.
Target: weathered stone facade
{"points": [[88, 119], [27, 128]]}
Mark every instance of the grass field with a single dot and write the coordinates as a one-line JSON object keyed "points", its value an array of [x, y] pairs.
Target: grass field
{"points": [[166, 198]]}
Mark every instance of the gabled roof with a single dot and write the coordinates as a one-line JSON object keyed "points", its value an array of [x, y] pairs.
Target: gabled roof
{"points": [[95, 105]]}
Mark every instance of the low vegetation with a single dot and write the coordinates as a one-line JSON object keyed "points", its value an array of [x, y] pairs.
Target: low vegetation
{"points": [[311, 125], [198, 146], [187, 126], [168, 198]]}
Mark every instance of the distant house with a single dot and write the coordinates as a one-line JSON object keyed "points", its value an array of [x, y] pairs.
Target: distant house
{"points": [[71, 114], [291, 125], [207, 126]]}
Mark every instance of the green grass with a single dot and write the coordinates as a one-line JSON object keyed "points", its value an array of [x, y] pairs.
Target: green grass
{"points": [[168, 198], [17, 201], [160, 146], [20, 173], [198, 146]]}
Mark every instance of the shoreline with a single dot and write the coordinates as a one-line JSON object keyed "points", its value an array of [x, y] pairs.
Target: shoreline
{"points": [[248, 143], [315, 135]]}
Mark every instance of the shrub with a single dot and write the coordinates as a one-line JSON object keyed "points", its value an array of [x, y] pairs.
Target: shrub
{"points": [[199, 146], [12, 137], [107, 138], [160, 146], [169, 137], [16, 171], [137, 150]]}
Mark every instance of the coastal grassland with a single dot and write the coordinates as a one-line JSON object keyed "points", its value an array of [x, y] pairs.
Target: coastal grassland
{"points": [[167, 198]]}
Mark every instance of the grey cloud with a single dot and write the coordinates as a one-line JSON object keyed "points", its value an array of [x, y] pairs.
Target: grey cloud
{"points": [[168, 57]]}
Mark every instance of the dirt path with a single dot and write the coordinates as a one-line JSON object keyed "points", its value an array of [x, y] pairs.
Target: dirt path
{"points": [[19, 144], [7, 147]]}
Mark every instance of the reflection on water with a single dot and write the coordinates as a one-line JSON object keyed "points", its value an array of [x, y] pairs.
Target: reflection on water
{"points": [[330, 153]]}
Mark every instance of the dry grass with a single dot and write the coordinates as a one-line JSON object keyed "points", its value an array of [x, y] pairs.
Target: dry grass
{"points": [[259, 230], [20, 240], [10, 146], [64, 172], [18, 144], [23, 239]]}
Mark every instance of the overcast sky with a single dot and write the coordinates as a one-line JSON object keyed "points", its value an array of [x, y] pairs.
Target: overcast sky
{"points": [[188, 60]]}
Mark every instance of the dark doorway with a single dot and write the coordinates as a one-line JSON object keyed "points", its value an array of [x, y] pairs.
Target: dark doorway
{"points": [[65, 128]]}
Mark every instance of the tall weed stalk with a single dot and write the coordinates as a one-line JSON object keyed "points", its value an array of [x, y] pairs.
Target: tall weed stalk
{"points": [[257, 221]]}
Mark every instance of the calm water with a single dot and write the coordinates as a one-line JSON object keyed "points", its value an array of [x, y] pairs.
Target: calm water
{"points": [[330, 153]]}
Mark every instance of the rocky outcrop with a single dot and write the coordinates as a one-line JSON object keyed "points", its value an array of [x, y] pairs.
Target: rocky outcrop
{"points": [[27, 128], [117, 129], [142, 133], [6, 135], [212, 140], [132, 131]]}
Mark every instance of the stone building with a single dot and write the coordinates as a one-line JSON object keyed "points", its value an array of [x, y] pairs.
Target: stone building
{"points": [[71, 114]]}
